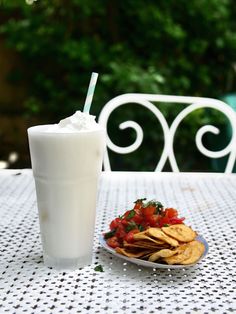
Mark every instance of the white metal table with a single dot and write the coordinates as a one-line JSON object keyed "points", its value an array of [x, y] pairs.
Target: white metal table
{"points": [[208, 201]]}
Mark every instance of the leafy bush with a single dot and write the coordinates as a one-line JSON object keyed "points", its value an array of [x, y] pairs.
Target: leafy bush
{"points": [[169, 47]]}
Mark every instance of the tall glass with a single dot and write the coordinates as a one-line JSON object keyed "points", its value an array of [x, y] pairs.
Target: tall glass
{"points": [[66, 168]]}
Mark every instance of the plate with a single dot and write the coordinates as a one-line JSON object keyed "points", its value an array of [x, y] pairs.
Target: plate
{"points": [[152, 264]]}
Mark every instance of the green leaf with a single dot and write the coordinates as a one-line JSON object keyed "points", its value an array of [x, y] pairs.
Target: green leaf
{"points": [[99, 268], [141, 228], [154, 203], [132, 225], [109, 234], [131, 214]]}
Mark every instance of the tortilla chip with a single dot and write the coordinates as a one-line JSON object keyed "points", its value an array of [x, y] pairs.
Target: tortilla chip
{"points": [[180, 232], [144, 244], [141, 236], [196, 252], [146, 256], [131, 254], [162, 253], [184, 252], [159, 234], [172, 245]]}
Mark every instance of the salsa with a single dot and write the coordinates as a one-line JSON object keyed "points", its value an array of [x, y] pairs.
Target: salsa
{"points": [[142, 216]]}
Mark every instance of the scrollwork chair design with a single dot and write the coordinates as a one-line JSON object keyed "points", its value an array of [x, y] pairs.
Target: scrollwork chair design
{"points": [[192, 103]]}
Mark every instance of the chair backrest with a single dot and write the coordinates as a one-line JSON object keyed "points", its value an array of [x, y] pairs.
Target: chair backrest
{"points": [[192, 103]]}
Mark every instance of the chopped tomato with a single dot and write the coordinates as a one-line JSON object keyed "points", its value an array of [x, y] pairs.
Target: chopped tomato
{"points": [[141, 217], [124, 222], [170, 212], [128, 214], [176, 220], [164, 221], [114, 224], [120, 231], [138, 218], [139, 203], [132, 215], [152, 220], [130, 235], [113, 242], [150, 210]]}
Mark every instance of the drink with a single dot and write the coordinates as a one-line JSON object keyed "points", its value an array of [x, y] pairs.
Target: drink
{"points": [[66, 162]]}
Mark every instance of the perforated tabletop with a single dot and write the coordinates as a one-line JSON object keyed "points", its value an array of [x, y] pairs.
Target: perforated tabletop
{"points": [[207, 201]]}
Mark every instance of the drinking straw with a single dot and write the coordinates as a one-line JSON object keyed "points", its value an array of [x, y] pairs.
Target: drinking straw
{"points": [[90, 92]]}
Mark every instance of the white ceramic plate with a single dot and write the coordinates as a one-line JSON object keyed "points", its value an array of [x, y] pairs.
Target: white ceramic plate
{"points": [[152, 264]]}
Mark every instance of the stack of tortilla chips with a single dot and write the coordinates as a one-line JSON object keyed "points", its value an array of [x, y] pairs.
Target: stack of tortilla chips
{"points": [[175, 244]]}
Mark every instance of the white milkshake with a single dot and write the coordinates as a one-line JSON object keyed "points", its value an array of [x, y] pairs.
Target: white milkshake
{"points": [[66, 160]]}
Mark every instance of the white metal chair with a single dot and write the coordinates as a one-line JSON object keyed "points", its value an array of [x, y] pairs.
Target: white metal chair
{"points": [[192, 103]]}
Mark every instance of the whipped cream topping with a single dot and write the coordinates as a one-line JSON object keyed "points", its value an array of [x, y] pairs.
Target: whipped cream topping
{"points": [[79, 121]]}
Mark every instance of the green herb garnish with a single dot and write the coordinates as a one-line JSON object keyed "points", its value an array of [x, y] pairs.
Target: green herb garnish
{"points": [[141, 228], [99, 268], [131, 214], [109, 234], [132, 225], [156, 204]]}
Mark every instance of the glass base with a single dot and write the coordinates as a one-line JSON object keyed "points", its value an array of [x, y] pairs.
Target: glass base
{"points": [[67, 263]]}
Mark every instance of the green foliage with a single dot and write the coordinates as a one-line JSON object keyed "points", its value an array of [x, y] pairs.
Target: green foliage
{"points": [[169, 47]]}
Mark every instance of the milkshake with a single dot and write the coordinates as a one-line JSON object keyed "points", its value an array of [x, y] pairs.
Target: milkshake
{"points": [[66, 161]]}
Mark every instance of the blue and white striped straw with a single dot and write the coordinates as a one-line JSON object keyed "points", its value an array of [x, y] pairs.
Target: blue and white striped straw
{"points": [[89, 97]]}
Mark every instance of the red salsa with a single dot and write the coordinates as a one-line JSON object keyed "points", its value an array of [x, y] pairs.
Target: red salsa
{"points": [[142, 216]]}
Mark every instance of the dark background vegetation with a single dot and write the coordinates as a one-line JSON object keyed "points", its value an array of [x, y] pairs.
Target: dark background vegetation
{"points": [[48, 51]]}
